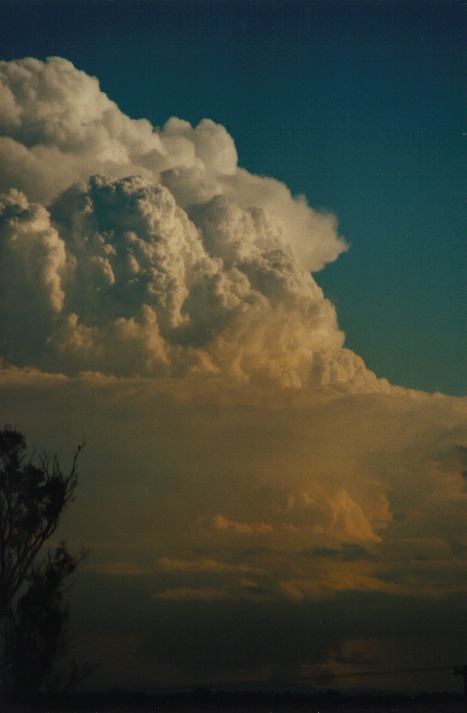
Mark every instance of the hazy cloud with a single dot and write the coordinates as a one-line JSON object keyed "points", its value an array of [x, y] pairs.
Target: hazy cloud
{"points": [[206, 566], [243, 528]]}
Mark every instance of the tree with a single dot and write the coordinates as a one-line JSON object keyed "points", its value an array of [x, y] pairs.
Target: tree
{"points": [[32, 612]]}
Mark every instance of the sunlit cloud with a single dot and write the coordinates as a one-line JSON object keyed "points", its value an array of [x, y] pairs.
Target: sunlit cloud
{"points": [[206, 566], [243, 528], [157, 300]]}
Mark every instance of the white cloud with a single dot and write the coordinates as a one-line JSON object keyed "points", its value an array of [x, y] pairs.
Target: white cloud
{"points": [[172, 253], [114, 277], [135, 287], [229, 292], [156, 299], [33, 264], [58, 127]]}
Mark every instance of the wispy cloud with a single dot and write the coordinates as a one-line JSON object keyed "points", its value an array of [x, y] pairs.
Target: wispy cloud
{"points": [[206, 566]]}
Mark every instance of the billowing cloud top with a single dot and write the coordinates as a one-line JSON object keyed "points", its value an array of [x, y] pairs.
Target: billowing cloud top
{"points": [[128, 250]]}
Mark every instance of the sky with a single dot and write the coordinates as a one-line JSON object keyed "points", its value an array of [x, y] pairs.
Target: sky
{"points": [[231, 261]]}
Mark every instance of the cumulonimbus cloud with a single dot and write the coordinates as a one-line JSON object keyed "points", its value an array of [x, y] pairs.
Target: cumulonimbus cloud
{"points": [[128, 250], [150, 290]]}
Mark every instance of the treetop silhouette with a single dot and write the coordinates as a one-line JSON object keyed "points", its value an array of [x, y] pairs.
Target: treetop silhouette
{"points": [[33, 496]]}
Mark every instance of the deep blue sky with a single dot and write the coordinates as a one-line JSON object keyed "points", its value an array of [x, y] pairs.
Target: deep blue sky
{"points": [[358, 105]]}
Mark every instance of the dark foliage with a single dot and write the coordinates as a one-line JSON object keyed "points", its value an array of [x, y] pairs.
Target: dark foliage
{"points": [[32, 609]]}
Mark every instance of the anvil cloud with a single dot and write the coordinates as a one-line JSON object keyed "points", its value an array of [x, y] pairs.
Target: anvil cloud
{"points": [[158, 300]]}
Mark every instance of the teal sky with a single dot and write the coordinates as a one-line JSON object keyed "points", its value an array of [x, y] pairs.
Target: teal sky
{"points": [[357, 105]]}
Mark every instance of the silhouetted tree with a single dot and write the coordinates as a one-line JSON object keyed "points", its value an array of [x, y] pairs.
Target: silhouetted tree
{"points": [[32, 610]]}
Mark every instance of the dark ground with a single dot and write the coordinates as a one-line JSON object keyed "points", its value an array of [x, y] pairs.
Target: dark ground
{"points": [[251, 702]]}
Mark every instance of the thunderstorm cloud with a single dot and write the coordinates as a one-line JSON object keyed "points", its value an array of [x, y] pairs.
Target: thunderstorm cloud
{"points": [[158, 299]]}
